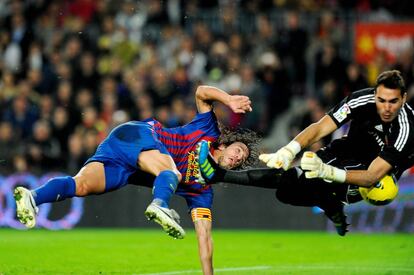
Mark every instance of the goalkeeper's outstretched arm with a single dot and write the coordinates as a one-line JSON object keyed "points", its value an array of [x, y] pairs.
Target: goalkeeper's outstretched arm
{"points": [[284, 157], [213, 173], [257, 177]]}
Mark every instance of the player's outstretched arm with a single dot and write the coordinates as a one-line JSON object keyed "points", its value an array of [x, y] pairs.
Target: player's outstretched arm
{"points": [[212, 173], [284, 157], [205, 244], [315, 168], [205, 96]]}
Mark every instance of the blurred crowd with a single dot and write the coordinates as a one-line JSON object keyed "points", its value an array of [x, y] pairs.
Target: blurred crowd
{"points": [[70, 71]]}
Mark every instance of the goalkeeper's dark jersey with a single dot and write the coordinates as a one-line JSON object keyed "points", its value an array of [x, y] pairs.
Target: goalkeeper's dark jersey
{"points": [[369, 137]]}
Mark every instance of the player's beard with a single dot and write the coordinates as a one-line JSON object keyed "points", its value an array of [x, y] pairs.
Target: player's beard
{"points": [[222, 163]]}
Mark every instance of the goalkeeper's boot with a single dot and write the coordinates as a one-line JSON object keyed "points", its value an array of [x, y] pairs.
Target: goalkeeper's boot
{"points": [[339, 220], [25, 207], [167, 218], [207, 165]]}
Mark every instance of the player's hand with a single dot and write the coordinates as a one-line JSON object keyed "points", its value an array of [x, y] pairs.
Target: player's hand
{"points": [[313, 165], [281, 159], [240, 104], [315, 168]]}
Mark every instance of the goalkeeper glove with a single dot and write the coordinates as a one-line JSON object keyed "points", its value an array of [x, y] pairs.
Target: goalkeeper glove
{"points": [[315, 168], [283, 157]]}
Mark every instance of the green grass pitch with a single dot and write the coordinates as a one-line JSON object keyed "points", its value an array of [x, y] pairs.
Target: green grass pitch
{"points": [[137, 251]]}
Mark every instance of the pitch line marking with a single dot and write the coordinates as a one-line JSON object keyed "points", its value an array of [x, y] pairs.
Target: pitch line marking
{"points": [[328, 267], [226, 269], [288, 267]]}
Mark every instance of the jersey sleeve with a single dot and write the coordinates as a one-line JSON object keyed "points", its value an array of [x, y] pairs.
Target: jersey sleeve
{"points": [[391, 155], [206, 122], [351, 106], [401, 142]]}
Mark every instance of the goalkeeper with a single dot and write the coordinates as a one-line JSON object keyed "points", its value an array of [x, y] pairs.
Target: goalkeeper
{"points": [[380, 141]]}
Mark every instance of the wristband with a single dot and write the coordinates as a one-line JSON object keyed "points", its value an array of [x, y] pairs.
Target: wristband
{"points": [[339, 175], [294, 147], [334, 174]]}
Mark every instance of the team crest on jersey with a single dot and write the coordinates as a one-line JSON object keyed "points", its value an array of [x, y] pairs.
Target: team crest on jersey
{"points": [[379, 128], [341, 114]]}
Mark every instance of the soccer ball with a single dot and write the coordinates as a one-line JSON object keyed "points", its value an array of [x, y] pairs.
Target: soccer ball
{"points": [[381, 193]]}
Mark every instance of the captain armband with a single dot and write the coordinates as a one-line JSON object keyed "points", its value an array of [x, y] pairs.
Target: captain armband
{"points": [[201, 214]]}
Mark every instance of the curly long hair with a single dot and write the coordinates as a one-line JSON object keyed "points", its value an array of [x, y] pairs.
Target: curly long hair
{"points": [[250, 138]]}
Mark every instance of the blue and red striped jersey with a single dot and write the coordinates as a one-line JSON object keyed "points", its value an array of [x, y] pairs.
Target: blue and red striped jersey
{"points": [[181, 144]]}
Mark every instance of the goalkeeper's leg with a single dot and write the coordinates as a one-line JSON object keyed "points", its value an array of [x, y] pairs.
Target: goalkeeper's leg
{"points": [[299, 191]]}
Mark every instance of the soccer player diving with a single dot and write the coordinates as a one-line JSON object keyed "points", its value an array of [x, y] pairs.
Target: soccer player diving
{"points": [[166, 154], [380, 142]]}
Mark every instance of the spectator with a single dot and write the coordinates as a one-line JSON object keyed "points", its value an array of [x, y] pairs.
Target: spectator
{"points": [[46, 107], [191, 63], [8, 147], [292, 44], [72, 51], [21, 35], [91, 121], [160, 88], [162, 114], [329, 28], [86, 76], [61, 128], [354, 80], [376, 66], [25, 89], [177, 116], [84, 98], [329, 65], [256, 120], [8, 87], [312, 112], [76, 154], [273, 80], [22, 115], [109, 104], [264, 38], [143, 108], [43, 150], [181, 82], [82, 8], [91, 140], [64, 71], [132, 17]]}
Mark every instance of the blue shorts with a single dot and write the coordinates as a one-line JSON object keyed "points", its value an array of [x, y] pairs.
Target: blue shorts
{"points": [[120, 150], [195, 198], [200, 201]]}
